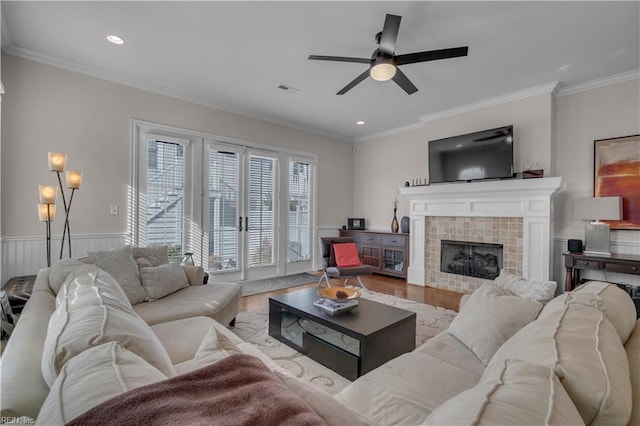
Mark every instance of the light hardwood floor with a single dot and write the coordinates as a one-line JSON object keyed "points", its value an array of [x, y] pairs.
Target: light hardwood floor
{"points": [[379, 283]]}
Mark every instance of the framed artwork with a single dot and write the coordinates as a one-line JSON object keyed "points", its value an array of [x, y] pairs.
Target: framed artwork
{"points": [[617, 173]]}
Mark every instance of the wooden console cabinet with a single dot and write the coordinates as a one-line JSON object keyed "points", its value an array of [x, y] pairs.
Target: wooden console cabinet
{"points": [[386, 252], [621, 263]]}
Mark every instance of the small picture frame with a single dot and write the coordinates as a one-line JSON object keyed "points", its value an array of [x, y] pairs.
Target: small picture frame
{"points": [[355, 223]]}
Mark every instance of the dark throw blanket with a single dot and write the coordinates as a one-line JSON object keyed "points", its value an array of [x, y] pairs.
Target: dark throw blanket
{"points": [[238, 390]]}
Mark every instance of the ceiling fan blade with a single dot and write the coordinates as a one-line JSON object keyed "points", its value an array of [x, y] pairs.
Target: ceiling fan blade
{"points": [[403, 81], [351, 85], [339, 59], [431, 55], [390, 33]]}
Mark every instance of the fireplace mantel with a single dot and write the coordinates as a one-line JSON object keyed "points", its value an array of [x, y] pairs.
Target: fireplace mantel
{"points": [[530, 199]]}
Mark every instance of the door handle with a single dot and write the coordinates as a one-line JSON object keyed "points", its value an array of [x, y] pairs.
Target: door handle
{"points": [[246, 223], [239, 223]]}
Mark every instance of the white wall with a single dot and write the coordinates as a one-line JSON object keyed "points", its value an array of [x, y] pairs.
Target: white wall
{"points": [[51, 109]]}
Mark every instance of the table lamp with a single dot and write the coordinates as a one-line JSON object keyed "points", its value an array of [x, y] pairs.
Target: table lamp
{"points": [[596, 233]]}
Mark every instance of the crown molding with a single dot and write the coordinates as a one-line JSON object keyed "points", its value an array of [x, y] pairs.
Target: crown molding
{"points": [[601, 82], [166, 91], [391, 132], [509, 97]]}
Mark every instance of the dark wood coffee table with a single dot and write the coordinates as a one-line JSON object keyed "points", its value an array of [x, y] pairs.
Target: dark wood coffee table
{"points": [[350, 343]]}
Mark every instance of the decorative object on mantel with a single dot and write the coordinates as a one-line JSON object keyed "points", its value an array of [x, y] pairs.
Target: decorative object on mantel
{"points": [[73, 180], [617, 173], [394, 223], [47, 213], [596, 233], [417, 182], [404, 224]]}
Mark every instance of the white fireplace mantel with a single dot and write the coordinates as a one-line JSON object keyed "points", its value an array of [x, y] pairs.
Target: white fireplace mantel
{"points": [[530, 199]]}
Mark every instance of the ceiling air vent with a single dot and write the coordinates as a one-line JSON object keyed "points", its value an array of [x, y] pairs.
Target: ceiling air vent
{"points": [[288, 89]]}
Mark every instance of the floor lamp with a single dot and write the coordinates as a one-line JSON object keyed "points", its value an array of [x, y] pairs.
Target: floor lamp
{"points": [[47, 213], [73, 179]]}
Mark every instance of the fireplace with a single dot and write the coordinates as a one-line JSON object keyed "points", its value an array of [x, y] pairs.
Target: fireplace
{"points": [[473, 259], [517, 213]]}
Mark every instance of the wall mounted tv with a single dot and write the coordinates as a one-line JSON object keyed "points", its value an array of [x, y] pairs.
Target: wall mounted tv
{"points": [[480, 155]]}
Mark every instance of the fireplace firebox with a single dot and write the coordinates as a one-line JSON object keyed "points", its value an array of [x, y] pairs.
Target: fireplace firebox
{"points": [[473, 259]]}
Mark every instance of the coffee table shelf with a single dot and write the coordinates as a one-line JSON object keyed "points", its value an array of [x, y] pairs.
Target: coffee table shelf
{"points": [[350, 343]]}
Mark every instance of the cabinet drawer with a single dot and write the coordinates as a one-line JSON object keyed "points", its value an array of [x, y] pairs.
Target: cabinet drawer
{"points": [[625, 269], [588, 264], [389, 240], [369, 239]]}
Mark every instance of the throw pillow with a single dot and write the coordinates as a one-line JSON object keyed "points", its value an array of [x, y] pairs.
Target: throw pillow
{"points": [[89, 315], [163, 280], [490, 317], [61, 270], [214, 347], [156, 255], [519, 394], [142, 262], [120, 264], [541, 291], [346, 255], [92, 377]]}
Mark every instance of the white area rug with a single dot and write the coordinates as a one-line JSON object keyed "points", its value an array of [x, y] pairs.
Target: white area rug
{"points": [[252, 326]]}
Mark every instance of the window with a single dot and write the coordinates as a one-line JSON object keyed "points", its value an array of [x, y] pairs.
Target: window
{"points": [[261, 210], [299, 227]]}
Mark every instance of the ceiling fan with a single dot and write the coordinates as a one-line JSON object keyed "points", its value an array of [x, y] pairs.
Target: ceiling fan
{"points": [[384, 63]]}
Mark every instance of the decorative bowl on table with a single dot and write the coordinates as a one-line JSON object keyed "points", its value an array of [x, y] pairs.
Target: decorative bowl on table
{"points": [[339, 294]]}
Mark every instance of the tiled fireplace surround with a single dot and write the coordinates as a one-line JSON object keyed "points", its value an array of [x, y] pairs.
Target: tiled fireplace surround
{"points": [[517, 213]]}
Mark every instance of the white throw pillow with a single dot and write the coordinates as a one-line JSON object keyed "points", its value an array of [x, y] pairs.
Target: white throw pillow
{"points": [[87, 316], [490, 317], [541, 291], [518, 394], [120, 264], [61, 270], [92, 377], [214, 347], [156, 255], [163, 280]]}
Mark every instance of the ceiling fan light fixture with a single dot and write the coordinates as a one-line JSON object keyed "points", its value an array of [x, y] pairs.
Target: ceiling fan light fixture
{"points": [[383, 70]]}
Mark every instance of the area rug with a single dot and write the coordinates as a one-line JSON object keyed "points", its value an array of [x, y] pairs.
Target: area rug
{"points": [[250, 288], [252, 326]]}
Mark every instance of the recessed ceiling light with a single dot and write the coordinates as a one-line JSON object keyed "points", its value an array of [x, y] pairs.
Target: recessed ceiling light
{"points": [[360, 123], [115, 39]]}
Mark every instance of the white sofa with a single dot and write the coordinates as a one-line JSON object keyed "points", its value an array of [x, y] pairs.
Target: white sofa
{"points": [[502, 361]]}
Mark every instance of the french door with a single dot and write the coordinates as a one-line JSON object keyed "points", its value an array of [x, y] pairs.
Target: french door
{"points": [[242, 211], [245, 212]]}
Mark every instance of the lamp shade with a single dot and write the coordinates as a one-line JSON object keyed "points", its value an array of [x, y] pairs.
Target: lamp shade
{"points": [[48, 194], [598, 208], [57, 161], [46, 212], [74, 179]]}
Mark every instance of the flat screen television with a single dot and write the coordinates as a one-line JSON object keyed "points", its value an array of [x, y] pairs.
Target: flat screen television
{"points": [[480, 155]]}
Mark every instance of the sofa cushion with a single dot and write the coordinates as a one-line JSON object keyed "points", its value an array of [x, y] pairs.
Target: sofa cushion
{"points": [[218, 301], [326, 406], [616, 305], [156, 255], [94, 376], [89, 315], [447, 348], [406, 389], [541, 291], [59, 272], [584, 350], [517, 394], [490, 317], [163, 280], [632, 347], [214, 347], [120, 264]]}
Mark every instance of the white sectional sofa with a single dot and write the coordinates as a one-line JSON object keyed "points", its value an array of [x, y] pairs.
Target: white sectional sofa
{"points": [[504, 360]]}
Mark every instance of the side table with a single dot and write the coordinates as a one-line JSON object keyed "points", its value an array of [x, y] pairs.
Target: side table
{"points": [[619, 263]]}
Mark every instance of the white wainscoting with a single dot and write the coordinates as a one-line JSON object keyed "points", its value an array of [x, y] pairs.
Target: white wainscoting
{"points": [[27, 255], [622, 247]]}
